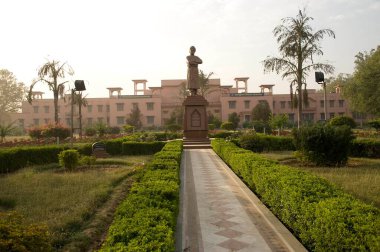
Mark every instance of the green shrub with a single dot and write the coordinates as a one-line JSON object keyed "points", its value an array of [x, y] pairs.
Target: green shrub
{"points": [[227, 126], [342, 120], [261, 127], [87, 160], [141, 148], [365, 148], [16, 235], [90, 131], [129, 128], [324, 144], [113, 130], [56, 131], [114, 147], [173, 127], [320, 215], [35, 133], [375, 124], [69, 159], [221, 134], [259, 142], [146, 219]]}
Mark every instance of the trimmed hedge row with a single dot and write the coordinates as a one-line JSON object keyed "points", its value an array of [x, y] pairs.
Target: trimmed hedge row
{"points": [[260, 142], [146, 219], [365, 148], [323, 217], [12, 159]]}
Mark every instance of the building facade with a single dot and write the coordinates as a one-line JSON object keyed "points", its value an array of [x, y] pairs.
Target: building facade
{"points": [[157, 105]]}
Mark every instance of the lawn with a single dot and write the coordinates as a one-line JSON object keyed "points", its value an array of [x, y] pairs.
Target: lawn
{"points": [[360, 178], [71, 204]]}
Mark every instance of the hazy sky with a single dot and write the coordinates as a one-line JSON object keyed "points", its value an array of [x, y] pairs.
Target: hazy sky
{"points": [[110, 43]]}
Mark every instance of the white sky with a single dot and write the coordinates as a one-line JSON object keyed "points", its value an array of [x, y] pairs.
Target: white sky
{"points": [[109, 43]]}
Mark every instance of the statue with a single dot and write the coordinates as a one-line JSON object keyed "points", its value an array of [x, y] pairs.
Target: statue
{"points": [[192, 71]]}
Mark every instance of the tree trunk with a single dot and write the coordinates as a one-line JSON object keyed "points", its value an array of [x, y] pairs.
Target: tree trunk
{"points": [[80, 115], [55, 107]]}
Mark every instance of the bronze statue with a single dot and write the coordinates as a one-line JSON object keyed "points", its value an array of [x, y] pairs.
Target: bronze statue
{"points": [[192, 71]]}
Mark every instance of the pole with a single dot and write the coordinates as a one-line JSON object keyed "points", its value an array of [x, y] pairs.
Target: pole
{"points": [[72, 117], [325, 95]]}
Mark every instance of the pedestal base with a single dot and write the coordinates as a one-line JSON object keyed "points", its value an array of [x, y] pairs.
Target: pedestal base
{"points": [[195, 122]]}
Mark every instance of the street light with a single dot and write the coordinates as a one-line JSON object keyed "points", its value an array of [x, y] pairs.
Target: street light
{"points": [[320, 79], [79, 86]]}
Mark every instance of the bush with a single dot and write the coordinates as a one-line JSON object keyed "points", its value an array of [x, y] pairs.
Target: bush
{"points": [[87, 160], [324, 144], [90, 131], [35, 133], [16, 235], [261, 127], [129, 128], [342, 120], [375, 124], [113, 130], [146, 219], [320, 215], [56, 131], [227, 126], [141, 148], [173, 127], [69, 159], [365, 148], [259, 142]]}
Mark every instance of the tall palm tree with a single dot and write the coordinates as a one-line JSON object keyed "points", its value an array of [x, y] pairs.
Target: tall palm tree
{"points": [[203, 82], [50, 73], [298, 44], [81, 101]]}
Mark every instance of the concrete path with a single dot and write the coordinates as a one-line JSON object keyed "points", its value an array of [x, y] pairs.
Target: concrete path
{"points": [[219, 213]]}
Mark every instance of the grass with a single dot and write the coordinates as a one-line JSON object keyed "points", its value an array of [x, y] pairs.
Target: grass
{"points": [[360, 177], [66, 202]]}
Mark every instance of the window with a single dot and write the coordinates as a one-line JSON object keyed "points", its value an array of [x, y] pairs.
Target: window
{"points": [[89, 121], [108, 108], [68, 121], [322, 103], [232, 104], [135, 105], [119, 106], [291, 117], [246, 104], [100, 119], [100, 108], [341, 103], [308, 117], [289, 104], [282, 104], [332, 115], [46, 108], [323, 116], [332, 102], [35, 109], [89, 108], [120, 120], [36, 122], [150, 119], [149, 106]]}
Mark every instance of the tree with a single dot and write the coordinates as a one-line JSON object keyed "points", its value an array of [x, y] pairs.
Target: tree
{"points": [[234, 119], [363, 90], [50, 73], [135, 118], [11, 93], [81, 101], [298, 45], [6, 130], [261, 112], [278, 122], [340, 80], [203, 82]]}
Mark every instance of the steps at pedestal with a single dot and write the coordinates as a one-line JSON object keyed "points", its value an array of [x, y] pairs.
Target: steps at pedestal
{"points": [[197, 143]]}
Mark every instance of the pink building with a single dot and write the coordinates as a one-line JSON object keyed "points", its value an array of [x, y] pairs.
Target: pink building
{"points": [[158, 103]]}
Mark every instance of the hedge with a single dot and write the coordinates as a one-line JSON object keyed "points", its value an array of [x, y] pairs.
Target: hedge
{"points": [[366, 148], [146, 219], [141, 148], [322, 217], [260, 142]]}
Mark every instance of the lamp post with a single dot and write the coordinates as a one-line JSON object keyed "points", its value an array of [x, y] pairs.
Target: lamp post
{"points": [[320, 79], [79, 86]]}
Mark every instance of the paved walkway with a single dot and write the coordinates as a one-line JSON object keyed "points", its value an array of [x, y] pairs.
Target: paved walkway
{"points": [[219, 213]]}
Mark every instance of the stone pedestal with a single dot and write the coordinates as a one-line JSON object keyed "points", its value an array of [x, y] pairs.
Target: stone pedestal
{"points": [[195, 124]]}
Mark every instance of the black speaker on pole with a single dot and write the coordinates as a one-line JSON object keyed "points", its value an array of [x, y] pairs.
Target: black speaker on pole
{"points": [[79, 85], [319, 77]]}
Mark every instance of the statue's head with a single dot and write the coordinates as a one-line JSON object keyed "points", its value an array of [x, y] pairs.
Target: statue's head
{"points": [[192, 50]]}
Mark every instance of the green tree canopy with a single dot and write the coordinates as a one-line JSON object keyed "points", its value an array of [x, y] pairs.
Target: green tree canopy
{"points": [[11, 93], [261, 112], [234, 119], [341, 80], [50, 73], [135, 118], [363, 91], [298, 46]]}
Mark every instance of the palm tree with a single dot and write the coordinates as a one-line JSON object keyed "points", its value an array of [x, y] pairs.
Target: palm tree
{"points": [[203, 82], [50, 73], [6, 130], [298, 44], [81, 101]]}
